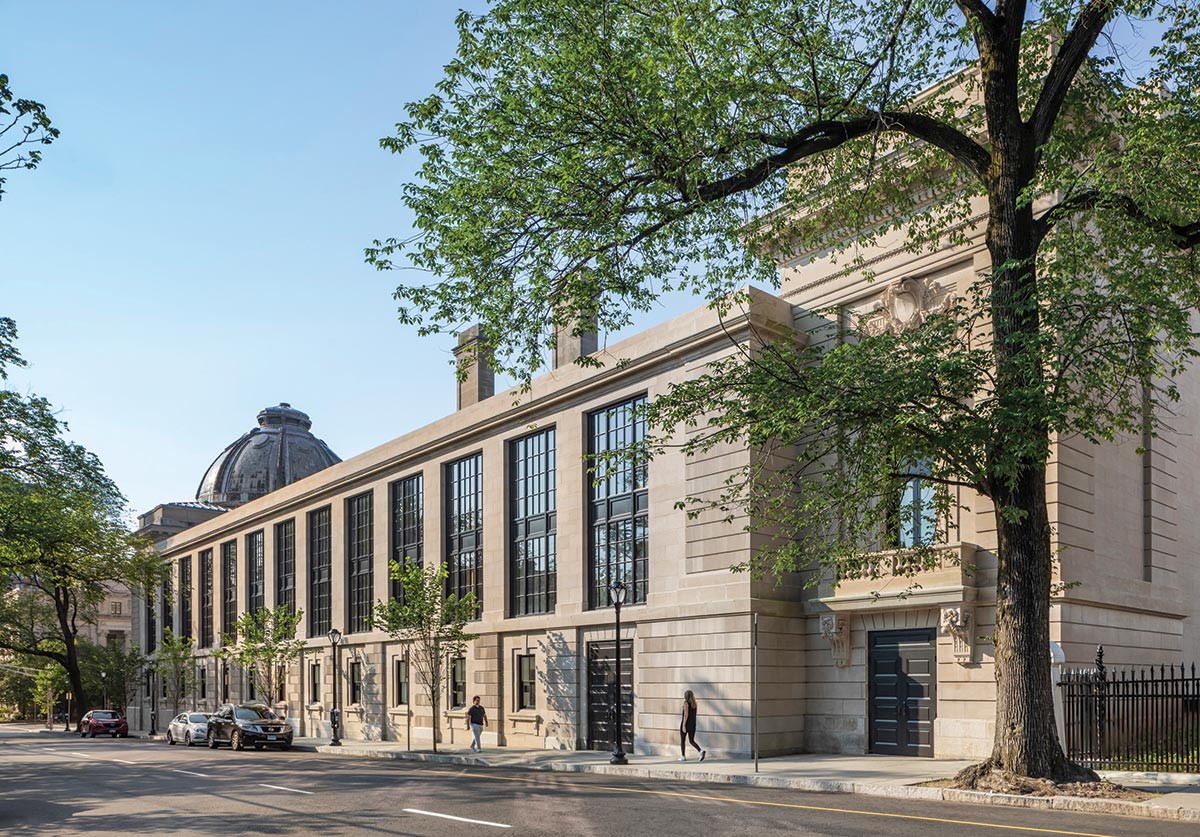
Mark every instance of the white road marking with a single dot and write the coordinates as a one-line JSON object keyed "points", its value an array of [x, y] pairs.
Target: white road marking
{"points": [[122, 761], [85, 755], [190, 773], [457, 819], [289, 790]]}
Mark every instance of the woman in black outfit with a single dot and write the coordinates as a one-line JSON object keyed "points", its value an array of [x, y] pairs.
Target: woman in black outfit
{"points": [[687, 727]]}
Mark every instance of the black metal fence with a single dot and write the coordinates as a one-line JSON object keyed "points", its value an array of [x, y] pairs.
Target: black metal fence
{"points": [[1144, 718]]}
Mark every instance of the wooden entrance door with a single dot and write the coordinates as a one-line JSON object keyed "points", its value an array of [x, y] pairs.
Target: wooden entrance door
{"points": [[602, 694], [902, 692]]}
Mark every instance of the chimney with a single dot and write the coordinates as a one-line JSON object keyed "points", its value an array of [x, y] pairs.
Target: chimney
{"points": [[569, 347], [479, 381]]}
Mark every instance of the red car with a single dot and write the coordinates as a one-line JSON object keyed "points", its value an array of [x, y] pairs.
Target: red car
{"points": [[103, 722]]}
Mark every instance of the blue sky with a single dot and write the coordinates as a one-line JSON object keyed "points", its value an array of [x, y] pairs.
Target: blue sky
{"points": [[190, 250]]}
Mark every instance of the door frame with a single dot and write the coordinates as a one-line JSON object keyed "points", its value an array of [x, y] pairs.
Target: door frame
{"points": [[627, 672], [927, 635]]}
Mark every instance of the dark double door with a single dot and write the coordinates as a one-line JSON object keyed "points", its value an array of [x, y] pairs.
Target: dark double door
{"points": [[602, 695], [902, 692]]}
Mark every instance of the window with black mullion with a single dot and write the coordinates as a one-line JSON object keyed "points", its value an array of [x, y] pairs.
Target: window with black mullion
{"points": [[229, 588], [256, 589], [532, 549], [320, 557], [618, 501], [285, 565], [464, 529], [360, 551], [408, 526]]}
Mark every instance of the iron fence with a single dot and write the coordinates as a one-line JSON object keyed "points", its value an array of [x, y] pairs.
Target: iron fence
{"points": [[1132, 718]]}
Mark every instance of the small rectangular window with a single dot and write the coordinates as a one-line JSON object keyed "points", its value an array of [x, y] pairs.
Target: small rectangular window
{"points": [[149, 687], [401, 682], [253, 691], [203, 678], [116, 608], [355, 683], [526, 682], [314, 683], [458, 682]]}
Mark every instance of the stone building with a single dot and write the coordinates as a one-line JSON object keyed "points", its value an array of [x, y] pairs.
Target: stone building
{"points": [[499, 491]]}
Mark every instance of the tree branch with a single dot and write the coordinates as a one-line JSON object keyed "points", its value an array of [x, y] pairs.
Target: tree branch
{"points": [[1066, 64], [1185, 236], [979, 14]]}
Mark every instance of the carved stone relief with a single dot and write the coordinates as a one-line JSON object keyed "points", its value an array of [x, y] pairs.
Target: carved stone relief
{"points": [[903, 305], [957, 623], [835, 630]]}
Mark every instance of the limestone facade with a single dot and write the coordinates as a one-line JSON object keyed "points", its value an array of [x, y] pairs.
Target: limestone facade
{"points": [[1127, 558]]}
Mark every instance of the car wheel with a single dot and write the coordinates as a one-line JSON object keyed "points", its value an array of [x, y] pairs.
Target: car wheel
{"points": [[187, 738], [212, 741], [235, 740], [170, 738]]}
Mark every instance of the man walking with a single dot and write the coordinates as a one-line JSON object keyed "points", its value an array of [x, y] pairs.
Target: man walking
{"points": [[476, 721]]}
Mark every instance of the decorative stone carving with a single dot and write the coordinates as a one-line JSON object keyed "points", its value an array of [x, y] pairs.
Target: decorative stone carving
{"points": [[836, 631], [956, 622], [904, 305]]}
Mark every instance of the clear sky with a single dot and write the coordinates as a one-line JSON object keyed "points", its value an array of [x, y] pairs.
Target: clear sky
{"points": [[190, 251]]}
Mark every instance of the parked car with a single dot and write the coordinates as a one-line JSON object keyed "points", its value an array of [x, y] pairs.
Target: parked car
{"points": [[102, 722], [188, 727], [254, 724]]}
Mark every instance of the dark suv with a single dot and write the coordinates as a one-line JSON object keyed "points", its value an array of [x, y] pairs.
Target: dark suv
{"points": [[255, 724]]}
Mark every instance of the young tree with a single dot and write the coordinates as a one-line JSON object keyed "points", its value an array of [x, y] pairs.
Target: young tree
{"points": [[430, 622], [124, 668], [264, 644], [582, 157], [176, 666], [24, 126]]}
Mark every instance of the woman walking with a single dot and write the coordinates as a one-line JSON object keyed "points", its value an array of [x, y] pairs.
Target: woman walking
{"points": [[687, 726]]}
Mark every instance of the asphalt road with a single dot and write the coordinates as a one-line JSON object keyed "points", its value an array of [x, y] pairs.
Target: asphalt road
{"points": [[54, 784]]}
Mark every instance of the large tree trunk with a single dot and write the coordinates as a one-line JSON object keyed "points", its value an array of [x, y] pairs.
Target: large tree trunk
{"points": [[62, 599]]}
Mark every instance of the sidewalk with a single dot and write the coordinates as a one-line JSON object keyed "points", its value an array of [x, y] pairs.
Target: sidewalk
{"points": [[867, 775]]}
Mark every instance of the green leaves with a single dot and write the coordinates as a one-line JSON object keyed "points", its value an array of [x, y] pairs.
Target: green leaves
{"points": [[24, 125], [264, 643]]}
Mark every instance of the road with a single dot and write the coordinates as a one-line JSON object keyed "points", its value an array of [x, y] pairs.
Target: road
{"points": [[53, 784]]}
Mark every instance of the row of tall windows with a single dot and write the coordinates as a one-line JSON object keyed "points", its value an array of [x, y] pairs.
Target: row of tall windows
{"points": [[151, 623], [164, 608], [256, 594], [360, 551], [229, 588], [617, 543], [285, 565]]}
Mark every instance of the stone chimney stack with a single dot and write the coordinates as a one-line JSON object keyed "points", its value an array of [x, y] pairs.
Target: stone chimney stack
{"points": [[569, 347], [480, 380]]}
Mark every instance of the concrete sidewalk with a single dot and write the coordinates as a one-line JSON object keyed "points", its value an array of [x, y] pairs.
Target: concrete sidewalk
{"points": [[867, 774]]}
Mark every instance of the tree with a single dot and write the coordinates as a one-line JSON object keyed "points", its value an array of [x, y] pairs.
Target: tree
{"points": [[264, 644], [63, 539], [432, 623], [24, 126], [124, 670], [581, 157], [176, 666]]}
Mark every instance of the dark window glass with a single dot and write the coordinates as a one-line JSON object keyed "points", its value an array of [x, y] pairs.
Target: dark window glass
{"points": [[618, 501], [229, 589], [255, 713], [285, 565], [203, 678], [532, 526], [164, 607], [458, 682], [185, 597], [355, 683], [149, 687], [253, 691], [206, 598], [401, 680], [314, 682], [526, 682], [408, 525], [256, 594], [464, 528], [224, 681], [151, 623], [360, 558], [319, 569], [914, 516]]}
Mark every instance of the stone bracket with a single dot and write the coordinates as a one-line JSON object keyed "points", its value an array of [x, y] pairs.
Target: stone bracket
{"points": [[835, 630], [957, 623]]}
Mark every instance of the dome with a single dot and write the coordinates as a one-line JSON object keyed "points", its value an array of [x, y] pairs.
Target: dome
{"points": [[279, 451]]}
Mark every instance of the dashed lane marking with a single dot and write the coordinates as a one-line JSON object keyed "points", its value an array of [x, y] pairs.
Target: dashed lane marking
{"points": [[456, 819], [122, 761], [289, 790], [793, 805], [190, 773]]}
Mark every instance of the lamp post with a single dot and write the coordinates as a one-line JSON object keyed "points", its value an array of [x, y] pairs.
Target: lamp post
{"points": [[153, 704], [67, 719], [616, 594], [104, 681], [335, 717]]}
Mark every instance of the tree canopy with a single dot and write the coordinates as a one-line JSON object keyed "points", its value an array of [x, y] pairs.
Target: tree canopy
{"points": [[580, 157], [24, 126]]}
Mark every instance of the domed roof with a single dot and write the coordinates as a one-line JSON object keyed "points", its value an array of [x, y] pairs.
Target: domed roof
{"points": [[279, 451]]}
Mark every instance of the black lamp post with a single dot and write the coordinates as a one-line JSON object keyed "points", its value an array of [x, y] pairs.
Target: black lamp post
{"points": [[104, 681], [153, 704], [335, 717], [616, 593]]}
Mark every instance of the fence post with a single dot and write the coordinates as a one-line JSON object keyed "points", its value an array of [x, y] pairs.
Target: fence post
{"points": [[1101, 692]]}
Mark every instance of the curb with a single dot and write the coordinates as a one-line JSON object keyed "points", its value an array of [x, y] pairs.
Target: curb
{"points": [[1043, 803]]}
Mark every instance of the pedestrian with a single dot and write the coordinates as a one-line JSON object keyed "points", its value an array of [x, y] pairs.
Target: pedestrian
{"points": [[476, 721], [687, 726]]}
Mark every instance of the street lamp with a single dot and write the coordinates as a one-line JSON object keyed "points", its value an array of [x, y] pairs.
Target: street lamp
{"points": [[616, 594], [335, 717], [104, 680], [153, 704]]}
